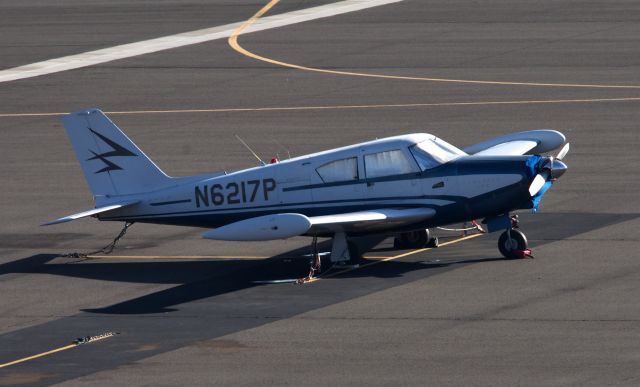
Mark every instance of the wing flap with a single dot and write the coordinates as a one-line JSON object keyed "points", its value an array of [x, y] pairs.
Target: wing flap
{"points": [[94, 211]]}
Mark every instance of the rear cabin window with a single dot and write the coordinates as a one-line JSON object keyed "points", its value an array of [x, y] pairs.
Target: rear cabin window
{"points": [[339, 170], [387, 163]]}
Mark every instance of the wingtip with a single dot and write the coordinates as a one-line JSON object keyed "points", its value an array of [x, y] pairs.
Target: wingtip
{"points": [[57, 221]]}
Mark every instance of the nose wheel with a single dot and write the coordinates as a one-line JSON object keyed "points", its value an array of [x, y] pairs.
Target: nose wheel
{"points": [[513, 245]]}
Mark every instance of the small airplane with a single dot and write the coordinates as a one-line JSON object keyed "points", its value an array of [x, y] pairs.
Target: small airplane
{"points": [[401, 185]]}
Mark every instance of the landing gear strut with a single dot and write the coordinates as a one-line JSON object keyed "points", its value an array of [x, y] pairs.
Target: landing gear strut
{"points": [[344, 252], [316, 262], [513, 243]]}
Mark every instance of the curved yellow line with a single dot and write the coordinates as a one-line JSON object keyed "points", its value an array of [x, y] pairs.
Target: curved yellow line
{"points": [[233, 42]]}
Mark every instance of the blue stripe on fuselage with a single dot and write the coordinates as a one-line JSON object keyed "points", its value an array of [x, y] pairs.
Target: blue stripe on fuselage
{"points": [[496, 202]]}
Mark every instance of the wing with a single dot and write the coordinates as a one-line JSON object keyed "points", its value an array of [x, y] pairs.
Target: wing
{"points": [[287, 225], [372, 220], [94, 211], [530, 142]]}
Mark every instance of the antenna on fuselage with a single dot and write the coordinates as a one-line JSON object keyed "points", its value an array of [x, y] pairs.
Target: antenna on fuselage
{"points": [[250, 150], [281, 147]]}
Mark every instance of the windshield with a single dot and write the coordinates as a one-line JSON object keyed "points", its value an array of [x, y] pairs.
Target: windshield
{"points": [[433, 152]]}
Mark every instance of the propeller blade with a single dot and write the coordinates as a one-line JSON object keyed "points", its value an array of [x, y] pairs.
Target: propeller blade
{"points": [[563, 152], [537, 184]]}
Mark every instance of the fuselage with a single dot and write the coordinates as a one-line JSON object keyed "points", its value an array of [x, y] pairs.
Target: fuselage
{"points": [[355, 178]]}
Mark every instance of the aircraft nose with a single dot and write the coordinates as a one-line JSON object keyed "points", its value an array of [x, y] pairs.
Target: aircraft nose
{"points": [[558, 168]]}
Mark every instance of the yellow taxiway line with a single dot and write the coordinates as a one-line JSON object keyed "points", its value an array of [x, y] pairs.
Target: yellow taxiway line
{"points": [[376, 258], [197, 257], [233, 42], [186, 257], [342, 107], [387, 259], [91, 339], [38, 355]]}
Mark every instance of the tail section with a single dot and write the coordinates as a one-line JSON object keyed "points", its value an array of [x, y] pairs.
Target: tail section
{"points": [[111, 162]]}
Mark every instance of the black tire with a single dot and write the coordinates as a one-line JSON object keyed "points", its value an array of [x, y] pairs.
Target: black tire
{"points": [[354, 252], [412, 239], [506, 245], [433, 243]]}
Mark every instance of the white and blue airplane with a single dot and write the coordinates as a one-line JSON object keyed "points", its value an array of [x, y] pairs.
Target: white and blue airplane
{"points": [[401, 185]]}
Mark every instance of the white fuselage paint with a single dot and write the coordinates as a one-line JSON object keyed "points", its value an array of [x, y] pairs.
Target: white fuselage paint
{"points": [[104, 55], [467, 186]]}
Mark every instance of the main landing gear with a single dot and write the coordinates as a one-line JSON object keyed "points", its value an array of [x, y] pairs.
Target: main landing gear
{"points": [[344, 253], [513, 243], [415, 240]]}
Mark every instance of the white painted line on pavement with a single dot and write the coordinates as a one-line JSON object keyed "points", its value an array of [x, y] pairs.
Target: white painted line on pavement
{"points": [[129, 50]]}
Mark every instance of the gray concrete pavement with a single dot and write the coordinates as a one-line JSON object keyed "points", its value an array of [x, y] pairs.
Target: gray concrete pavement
{"points": [[452, 316]]}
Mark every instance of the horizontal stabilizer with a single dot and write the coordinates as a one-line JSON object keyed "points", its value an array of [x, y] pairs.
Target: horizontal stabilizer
{"points": [[91, 212]]}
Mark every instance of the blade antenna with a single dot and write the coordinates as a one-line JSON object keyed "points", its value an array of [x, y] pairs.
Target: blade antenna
{"points": [[282, 147], [250, 150]]}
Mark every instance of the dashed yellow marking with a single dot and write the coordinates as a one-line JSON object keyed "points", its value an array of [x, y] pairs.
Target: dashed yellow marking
{"points": [[64, 348], [233, 42], [387, 259], [343, 107]]}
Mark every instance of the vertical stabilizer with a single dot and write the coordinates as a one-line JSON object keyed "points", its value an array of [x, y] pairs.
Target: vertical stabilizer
{"points": [[111, 162]]}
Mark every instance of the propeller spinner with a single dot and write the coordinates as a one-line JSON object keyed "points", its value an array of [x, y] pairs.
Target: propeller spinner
{"points": [[552, 168]]}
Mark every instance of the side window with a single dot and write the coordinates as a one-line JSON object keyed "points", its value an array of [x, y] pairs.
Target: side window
{"points": [[387, 163], [339, 170]]}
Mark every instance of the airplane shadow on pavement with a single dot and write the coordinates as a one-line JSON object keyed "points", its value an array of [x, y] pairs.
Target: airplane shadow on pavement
{"points": [[200, 279]]}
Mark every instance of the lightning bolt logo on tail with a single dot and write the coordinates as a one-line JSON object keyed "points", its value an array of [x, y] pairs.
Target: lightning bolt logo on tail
{"points": [[118, 150]]}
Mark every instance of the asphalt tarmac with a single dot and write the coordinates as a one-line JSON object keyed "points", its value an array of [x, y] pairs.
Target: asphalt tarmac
{"points": [[169, 308]]}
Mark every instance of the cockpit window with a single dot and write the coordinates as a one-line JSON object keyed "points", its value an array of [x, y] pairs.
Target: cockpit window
{"points": [[339, 170], [387, 163], [433, 152]]}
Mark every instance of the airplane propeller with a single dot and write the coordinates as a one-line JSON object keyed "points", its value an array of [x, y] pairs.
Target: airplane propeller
{"points": [[563, 152], [552, 167]]}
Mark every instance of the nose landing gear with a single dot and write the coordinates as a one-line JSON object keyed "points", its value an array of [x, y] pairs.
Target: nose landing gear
{"points": [[513, 243]]}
